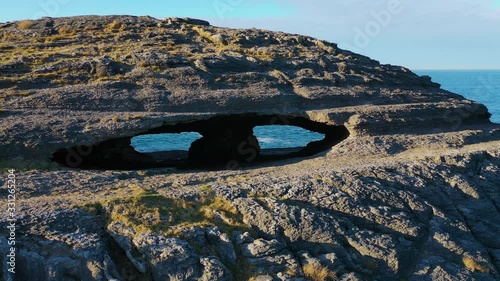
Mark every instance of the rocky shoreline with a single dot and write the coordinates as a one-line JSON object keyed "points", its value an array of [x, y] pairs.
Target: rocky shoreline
{"points": [[412, 193]]}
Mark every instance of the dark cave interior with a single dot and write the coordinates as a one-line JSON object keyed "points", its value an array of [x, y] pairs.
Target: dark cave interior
{"points": [[227, 142]]}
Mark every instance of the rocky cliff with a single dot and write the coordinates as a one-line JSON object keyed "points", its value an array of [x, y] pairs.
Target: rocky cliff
{"points": [[406, 188]]}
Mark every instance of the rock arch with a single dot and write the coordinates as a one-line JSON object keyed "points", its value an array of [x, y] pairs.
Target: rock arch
{"points": [[227, 141]]}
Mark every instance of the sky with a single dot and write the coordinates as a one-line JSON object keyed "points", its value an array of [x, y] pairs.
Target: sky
{"points": [[425, 34]]}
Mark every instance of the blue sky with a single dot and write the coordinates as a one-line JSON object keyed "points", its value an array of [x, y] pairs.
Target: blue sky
{"points": [[425, 34]]}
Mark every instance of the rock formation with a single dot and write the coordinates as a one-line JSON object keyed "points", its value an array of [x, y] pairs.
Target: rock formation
{"points": [[405, 185]]}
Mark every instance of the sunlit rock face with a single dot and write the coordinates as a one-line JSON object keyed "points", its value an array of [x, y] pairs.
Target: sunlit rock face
{"points": [[87, 80]]}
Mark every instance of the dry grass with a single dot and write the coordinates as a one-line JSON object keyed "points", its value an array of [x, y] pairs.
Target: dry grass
{"points": [[325, 47], [114, 26], [341, 56], [318, 272], [92, 28], [342, 67], [221, 205], [18, 93], [67, 31], [256, 195], [203, 33], [220, 47], [8, 36], [263, 54], [25, 24], [54, 38], [150, 212], [236, 179], [474, 265], [129, 117], [146, 211], [206, 190], [324, 180]]}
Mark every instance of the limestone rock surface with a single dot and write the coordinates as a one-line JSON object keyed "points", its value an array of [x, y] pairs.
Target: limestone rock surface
{"points": [[411, 194]]}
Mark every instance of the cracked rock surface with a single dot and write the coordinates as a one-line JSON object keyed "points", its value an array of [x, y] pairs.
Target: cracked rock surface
{"points": [[425, 213]]}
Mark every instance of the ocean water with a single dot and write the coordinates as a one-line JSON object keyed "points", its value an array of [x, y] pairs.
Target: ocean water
{"points": [[164, 142], [285, 136], [269, 137], [479, 85]]}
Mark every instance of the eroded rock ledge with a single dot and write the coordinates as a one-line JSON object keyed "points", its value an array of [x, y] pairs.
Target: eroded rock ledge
{"points": [[87, 80]]}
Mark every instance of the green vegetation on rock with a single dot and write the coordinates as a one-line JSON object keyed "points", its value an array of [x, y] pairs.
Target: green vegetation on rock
{"points": [[152, 212]]}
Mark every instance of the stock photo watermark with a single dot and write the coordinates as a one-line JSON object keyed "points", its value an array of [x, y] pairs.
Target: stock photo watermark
{"points": [[458, 116], [223, 7], [50, 8], [379, 20], [11, 220]]}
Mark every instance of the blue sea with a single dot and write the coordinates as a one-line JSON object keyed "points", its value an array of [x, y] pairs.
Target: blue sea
{"points": [[481, 86], [269, 137]]}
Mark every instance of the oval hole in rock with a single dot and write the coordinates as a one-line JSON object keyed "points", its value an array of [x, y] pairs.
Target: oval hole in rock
{"points": [[284, 139], [164, 142], [175, 145], [227, 142]]}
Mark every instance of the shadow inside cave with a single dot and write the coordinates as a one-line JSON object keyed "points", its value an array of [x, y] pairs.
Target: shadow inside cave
{"points": [[224, 142]]}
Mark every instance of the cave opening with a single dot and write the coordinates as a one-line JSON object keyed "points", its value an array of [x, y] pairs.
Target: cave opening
{"points": [[164, 142], [220, 142], [284, 139]]}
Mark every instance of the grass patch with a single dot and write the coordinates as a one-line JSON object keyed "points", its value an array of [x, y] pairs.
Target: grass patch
{"points": [[318, 272], [236, 179], [9, 36], [341, 56], [226, 46], [204, 34], [262, 54], [129, 117], [151, 212], [55, 38], [114, 26], [25, 24], [67, 31], [342, 66], [325, 46], [146, 211], [474, 265], [18, 94], [206, 190], [256, 195]]}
